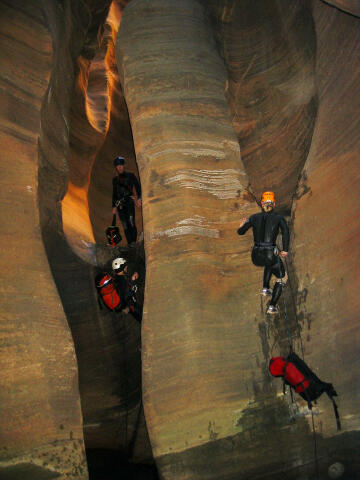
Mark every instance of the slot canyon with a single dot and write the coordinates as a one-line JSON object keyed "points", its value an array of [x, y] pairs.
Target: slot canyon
{"points": [[211, 102]]}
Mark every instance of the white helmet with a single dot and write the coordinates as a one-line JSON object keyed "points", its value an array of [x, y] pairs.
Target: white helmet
{"points": [[118, 264]]}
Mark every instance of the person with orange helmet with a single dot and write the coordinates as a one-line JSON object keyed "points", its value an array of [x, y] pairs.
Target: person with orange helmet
{"points": [[266, 226]]}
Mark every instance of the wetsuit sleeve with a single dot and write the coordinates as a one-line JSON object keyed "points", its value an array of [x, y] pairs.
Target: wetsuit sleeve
{"points": [[137, 186], [245, 227], [285, 234], [114, 192]]}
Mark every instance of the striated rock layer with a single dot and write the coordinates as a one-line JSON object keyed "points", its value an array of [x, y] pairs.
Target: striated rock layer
{"points": [[209, 402], [41, 422], [200, 78], [194, 190], [212, 413]]}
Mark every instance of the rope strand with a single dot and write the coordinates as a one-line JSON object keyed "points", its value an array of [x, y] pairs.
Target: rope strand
{"points": [[295, 310], [287, 327], [302, 350], [315, 446]]}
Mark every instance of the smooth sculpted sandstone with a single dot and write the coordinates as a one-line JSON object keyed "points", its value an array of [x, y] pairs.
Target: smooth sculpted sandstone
{"points": [[75, 121], [269, 52], [196, 79], [41, 422], [207, 396]]}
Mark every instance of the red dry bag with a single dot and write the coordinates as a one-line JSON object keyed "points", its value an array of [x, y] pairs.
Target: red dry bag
{"points": [[107, 292], [303, 380]]}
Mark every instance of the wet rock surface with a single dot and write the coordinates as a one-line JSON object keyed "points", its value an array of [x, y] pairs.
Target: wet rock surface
{"points": [[190, 83]]}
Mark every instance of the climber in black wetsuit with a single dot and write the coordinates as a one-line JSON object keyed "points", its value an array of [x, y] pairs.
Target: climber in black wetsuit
{"points": [[125, 185], [126, 287], [266, 226]]}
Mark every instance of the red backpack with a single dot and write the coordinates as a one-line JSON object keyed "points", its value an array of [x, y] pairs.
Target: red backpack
{"points": [[107, 291], [113, 233], [303, 380]]}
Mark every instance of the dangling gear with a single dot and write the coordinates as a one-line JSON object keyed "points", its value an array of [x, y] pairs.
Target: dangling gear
{"points": [[113, 233], [296, 373], [266, 292], [272, 309], [118, 265]]}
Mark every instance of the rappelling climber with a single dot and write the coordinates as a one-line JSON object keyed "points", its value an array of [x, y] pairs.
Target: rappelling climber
{"points": [[126, 286], [126, 194], [265, 253]]}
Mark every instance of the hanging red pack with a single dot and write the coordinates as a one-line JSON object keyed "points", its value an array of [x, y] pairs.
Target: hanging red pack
{"points": [[113, 233], [107, 292], [303, 380]]}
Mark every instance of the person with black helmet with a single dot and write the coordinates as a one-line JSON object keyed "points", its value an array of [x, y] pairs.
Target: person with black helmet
{"points": [[126, 194], [266, 226], [126, 286]]}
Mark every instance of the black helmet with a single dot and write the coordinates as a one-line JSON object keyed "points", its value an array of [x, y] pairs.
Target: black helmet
{"points": [[119, 161]]}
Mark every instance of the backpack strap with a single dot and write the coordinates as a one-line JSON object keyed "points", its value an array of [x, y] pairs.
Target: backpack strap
{"points": [[336, 412]]}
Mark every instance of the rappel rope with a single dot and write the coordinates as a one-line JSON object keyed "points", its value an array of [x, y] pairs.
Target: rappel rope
{"points": [[287, 327], [295, 310], [126, 387], [315, 445], [131, 446]]}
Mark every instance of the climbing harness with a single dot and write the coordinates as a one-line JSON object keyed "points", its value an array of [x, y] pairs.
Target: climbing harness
{"points": [[120, 204]]}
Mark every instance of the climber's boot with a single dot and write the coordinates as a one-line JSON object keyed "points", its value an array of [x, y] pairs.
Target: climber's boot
{"points": [[266, 292], [272, 309]]}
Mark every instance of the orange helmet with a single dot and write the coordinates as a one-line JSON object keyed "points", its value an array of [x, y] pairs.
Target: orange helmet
{"points": [[268, 197]]}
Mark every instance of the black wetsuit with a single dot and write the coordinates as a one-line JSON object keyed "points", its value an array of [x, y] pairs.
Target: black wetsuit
{"points": [[266, 227], [123, 185], [127, 289]]}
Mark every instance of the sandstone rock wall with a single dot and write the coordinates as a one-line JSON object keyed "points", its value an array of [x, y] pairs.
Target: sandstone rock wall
{"points": [[191, 372], [326, 226], [41, 421], [200, 79], [75, 122], [269, 53]]}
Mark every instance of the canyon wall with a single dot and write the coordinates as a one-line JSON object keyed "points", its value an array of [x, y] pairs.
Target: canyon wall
{"points": [[202, 397], [210, 102], [326, 226], [41, 420]]}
